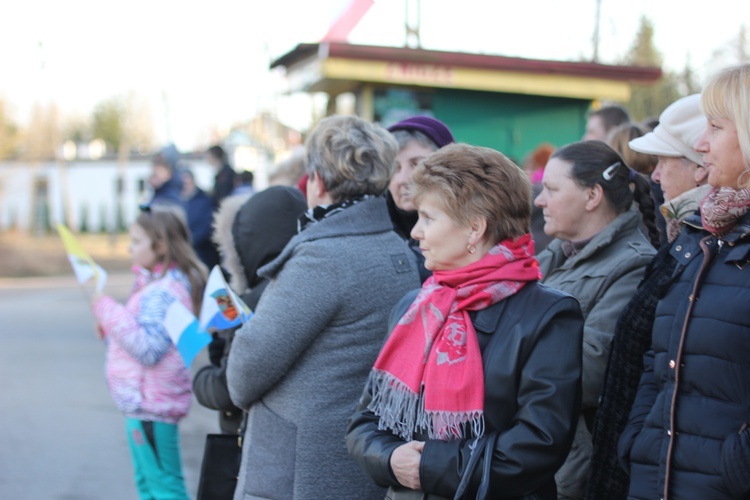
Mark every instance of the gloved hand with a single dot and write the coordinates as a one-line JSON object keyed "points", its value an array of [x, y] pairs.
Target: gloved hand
{"points": [[216, 349]]}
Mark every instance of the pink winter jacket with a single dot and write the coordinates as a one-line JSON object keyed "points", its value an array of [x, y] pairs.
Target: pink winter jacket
{"points": [[147, 378]]}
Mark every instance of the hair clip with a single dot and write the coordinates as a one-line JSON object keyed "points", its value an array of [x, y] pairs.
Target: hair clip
{"points": [[145, 208], [609, 173]]}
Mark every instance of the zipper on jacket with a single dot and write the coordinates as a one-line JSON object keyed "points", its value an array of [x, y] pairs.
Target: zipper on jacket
{"points": [[707, 257]]}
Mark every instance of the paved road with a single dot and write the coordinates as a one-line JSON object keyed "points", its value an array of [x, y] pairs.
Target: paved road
{"points": [[61, 436]]}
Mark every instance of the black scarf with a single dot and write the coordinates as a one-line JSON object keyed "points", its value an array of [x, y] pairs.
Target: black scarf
{"points": [[316, 214], [403, 221]]}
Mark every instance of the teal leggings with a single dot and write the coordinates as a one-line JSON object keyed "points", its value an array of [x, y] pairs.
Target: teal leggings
{"points": [[155, 448]]}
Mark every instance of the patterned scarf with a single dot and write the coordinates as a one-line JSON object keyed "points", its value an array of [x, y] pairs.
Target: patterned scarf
{"points": [[429, 374], [723, 207], [677, 209]]}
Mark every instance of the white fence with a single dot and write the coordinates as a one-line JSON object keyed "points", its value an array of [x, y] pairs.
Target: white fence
{"points": [[34, 196]]}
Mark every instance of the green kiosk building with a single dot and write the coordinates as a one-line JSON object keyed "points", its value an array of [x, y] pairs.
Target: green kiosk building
{"points": [[506, 103]]}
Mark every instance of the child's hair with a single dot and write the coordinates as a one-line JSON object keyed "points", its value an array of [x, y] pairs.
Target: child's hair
{"points": [[166, 224]]}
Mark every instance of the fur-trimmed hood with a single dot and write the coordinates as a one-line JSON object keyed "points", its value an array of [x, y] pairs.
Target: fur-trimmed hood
{"points": [[251, 231]]}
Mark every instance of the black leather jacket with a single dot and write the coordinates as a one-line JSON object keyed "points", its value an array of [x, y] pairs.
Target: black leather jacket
{"points": [[531, 350]]}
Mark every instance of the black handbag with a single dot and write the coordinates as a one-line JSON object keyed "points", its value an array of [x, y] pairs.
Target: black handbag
{"points": [[483, 492], [220, 468]]}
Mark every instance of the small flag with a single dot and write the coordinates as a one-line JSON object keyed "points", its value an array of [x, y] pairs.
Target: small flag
{"points": [[221, 308], [239, 304], [182, 327], [84, 266]]}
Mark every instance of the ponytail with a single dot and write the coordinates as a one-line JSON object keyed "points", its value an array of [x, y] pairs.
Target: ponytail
{"points": [[646, 205]]}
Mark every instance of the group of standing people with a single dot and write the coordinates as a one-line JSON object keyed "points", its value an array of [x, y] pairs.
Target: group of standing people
{"points": [[409, 341]]}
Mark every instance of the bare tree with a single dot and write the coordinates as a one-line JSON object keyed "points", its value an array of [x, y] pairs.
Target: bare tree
{"points": [[42, 137], [9, 134], [649, 100], [123, 122]]}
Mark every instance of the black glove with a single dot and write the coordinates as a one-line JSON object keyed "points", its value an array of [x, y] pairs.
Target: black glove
{"points": [[216, 349]]}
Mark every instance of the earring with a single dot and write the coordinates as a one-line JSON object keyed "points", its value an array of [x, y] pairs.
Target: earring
{"points": [[471, 248]]}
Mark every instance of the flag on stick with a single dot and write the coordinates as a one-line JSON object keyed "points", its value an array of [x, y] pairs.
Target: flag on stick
{"points": [[182, 327], [221, 307], [84, 266]]}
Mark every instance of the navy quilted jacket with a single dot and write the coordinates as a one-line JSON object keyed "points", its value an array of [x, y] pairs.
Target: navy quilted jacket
{"points": [[687, 436]]}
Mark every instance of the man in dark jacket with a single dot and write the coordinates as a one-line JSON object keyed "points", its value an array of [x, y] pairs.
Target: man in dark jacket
{"points": [[199, 212], [164, 178], [224, 182]]}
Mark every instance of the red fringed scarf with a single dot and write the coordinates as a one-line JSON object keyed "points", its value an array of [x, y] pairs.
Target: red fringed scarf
{"points": [[429, 374], [723, 207]]}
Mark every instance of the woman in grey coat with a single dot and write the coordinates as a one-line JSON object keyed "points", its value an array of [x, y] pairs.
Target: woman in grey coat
{"points": [[299, 364], [598, 256]]}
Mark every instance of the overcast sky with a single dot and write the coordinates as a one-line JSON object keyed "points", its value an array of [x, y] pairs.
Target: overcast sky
{"points": [[202, 65]]}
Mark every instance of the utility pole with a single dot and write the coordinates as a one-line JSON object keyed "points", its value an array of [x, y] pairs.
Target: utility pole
{"points": [[167, 117], [596, 30], [413, 39]]}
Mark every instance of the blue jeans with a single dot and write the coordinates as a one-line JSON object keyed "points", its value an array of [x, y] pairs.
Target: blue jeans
{"points": [[155, 448]]}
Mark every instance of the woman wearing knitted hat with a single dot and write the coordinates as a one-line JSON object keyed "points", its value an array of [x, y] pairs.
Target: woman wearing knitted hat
{"points": [[476, 391], [688, 434], [417, 137], [681, 174]]}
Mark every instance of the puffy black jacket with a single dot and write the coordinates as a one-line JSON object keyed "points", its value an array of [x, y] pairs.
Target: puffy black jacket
{"points": [[687, 433], [251, 232], [531, 351]]}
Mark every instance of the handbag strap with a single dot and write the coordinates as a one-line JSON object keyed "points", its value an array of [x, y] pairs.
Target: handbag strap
{"points": [[484, 486]]}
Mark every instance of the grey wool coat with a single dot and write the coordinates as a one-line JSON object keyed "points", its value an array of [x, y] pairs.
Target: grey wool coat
{"points": [[603, 276], [300, 363]]}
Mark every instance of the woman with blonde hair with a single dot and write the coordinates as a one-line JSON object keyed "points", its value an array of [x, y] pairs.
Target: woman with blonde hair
{"points": [[681, 174], [477, 389], [688, 434]]}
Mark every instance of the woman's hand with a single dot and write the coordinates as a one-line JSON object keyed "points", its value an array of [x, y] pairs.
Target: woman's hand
{"points": [[405, 464]]}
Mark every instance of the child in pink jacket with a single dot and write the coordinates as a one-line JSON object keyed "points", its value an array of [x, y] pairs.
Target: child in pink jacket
{"points": [[147, 378]]}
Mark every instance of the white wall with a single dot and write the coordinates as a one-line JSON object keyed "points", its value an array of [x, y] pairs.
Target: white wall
{"points": [[88, 187]]}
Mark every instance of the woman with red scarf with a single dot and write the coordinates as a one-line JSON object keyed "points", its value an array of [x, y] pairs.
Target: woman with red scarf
{"points": [[688, 434], [480, 377]]}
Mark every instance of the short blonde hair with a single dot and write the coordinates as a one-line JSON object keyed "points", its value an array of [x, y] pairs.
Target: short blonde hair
{"points": [[473, 181], [727, 95], [353, 157]]}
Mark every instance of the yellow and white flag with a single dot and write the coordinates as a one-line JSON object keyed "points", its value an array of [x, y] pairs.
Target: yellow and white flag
{"points": [[84, 266]]}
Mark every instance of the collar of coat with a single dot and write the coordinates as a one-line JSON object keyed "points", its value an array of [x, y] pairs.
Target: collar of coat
{"points": [[624, 222], [738, 232], [367, 217]]}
